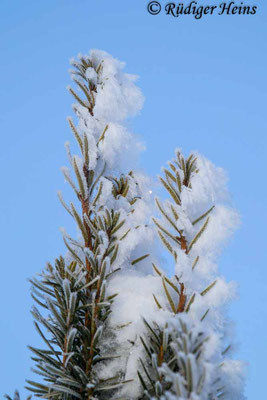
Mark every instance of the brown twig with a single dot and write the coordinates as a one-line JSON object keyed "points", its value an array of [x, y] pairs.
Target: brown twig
{"points": [[182, 299]]}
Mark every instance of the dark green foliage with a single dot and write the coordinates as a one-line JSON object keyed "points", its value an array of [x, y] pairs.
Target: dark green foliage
{"points": [[175, 366], [76, 312], [180, 175], [16, 396], [172, 354], [72, 293]]}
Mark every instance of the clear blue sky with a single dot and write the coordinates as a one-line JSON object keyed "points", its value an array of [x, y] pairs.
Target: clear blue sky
{"points": [[205, 87]]}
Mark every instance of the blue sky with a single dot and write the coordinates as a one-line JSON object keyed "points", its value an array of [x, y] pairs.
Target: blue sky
{"points": [[205, 87]]}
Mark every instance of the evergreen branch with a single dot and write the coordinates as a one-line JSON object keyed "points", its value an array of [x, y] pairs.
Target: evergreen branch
{"points": [[76, 295]]}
